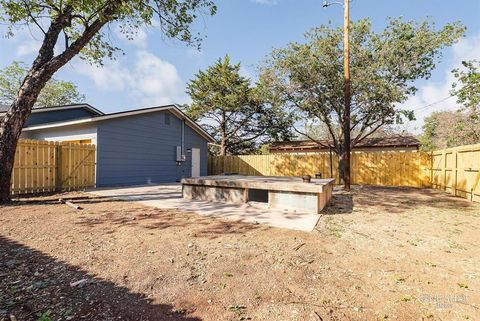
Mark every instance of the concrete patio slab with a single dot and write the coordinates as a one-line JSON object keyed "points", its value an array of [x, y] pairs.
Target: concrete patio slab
{"points": [[169, 196]]}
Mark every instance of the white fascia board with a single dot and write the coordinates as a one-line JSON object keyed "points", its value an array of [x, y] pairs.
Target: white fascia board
{"points": [[174, 109], [59, 124]]}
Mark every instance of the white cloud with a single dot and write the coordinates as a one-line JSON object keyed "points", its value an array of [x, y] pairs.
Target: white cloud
{"points": [[157, 80], [111, 77], [432, 92], [151, 80]]}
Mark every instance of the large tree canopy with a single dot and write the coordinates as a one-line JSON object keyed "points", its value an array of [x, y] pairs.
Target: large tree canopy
{"points": [[54, 93], [462, 127], [71, 28], [307, 78], [236, 113], [467, 85], [79, 23], [449, 129]]}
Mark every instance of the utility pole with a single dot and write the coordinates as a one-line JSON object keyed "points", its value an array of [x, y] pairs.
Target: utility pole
{"points": [[347, 97]]}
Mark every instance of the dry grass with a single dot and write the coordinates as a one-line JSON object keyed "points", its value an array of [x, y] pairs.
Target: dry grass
{"points": [[377, 254]]}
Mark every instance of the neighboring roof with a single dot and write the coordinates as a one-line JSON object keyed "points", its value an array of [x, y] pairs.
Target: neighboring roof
{"points": [[4, 108], [172, 108], [391, 141]]}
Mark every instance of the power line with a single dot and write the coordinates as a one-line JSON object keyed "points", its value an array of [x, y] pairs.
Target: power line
{"points": [[434, 103], [444, 99]]}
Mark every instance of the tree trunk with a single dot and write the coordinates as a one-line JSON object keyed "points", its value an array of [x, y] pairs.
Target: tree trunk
{"points": [[223, 148], [341, 162], [345, 159], [344, 168], [43, 68], [8, 144], [10, 130]]}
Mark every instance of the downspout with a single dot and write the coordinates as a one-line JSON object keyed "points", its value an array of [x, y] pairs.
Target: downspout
{"points": [[183, 137]]}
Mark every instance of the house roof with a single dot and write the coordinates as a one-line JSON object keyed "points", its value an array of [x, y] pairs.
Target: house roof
{"points": [[4, 108], [391, 141], [99, 117]]}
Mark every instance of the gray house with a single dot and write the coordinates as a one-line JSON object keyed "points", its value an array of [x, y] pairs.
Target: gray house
{"points": [[135, 147]]}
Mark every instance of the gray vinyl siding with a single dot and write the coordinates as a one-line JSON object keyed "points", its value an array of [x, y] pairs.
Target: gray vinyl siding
{"points": [[141, 149], [45, 117]]}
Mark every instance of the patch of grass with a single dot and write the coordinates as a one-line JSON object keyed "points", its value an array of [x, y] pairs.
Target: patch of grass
{"points": [[222, 285], [39, 285], [430, 264], [406, 298], [333, 228], [335, 231], [236, 308], [400, 279], [45, 316], [13, 290], [227, 274], [463, 285], [414, 242], [239, 310], [454, 245], [67, 312]]}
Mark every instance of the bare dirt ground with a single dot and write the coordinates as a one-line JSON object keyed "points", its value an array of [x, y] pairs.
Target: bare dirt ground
{"points": [[377, 254]]}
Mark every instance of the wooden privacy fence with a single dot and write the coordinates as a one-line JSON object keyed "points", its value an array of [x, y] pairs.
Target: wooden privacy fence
{"points": [[457, 170], [43, 166], [375, 168]]}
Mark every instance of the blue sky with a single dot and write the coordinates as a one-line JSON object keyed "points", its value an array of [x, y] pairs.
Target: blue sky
{"points": [[154, 71]]}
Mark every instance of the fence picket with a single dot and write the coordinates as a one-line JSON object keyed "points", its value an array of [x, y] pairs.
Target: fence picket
{"points": [[456, 170], [42, 166]]}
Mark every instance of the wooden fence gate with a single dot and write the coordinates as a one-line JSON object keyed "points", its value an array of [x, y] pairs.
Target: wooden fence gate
{"points": [[43, 166], [457, 171]]}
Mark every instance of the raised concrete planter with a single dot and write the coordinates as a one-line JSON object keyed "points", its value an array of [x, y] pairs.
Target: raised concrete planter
{"points": [[283, 192]]}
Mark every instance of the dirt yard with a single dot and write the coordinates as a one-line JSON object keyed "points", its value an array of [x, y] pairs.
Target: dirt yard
{"points": [[377, 254]]}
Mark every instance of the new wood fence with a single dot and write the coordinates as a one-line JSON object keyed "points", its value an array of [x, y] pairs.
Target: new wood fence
{"points": [[457, 170], [374, 168], [42, 166]]}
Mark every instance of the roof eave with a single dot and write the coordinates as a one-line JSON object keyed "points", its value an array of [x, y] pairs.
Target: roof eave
{"points": [[172, 108], [65, 107]]}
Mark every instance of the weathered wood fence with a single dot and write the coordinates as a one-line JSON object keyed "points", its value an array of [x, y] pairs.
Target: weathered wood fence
{"points": [[42, 166], [456, 170]]}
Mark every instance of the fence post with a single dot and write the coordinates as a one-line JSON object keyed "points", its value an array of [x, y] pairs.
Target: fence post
{"points": [[444, 170], [455, 172], [58, 166]]}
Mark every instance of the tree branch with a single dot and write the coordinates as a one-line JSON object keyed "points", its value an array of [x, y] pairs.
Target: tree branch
{"points": [[310, 137]]}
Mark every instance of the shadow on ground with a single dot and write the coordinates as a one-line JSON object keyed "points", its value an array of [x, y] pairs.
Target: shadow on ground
{"points": [[160, 219], [33, 283], [395, 200]]}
